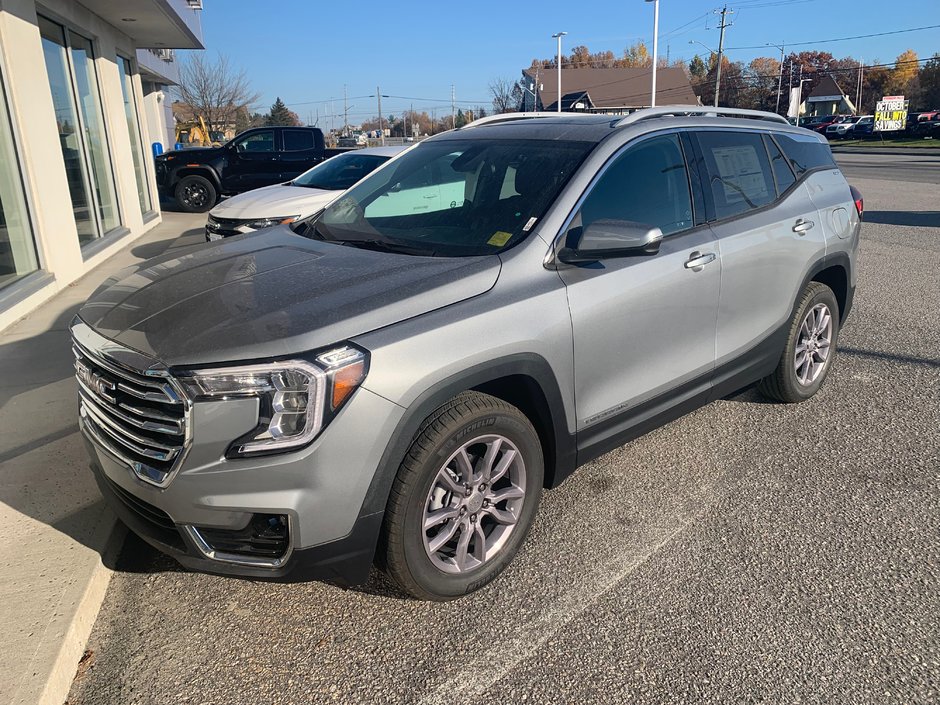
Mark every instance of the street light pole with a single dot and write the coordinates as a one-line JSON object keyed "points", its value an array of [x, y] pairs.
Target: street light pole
{"points": [[655, 48], [558, 36], [780, 77]]}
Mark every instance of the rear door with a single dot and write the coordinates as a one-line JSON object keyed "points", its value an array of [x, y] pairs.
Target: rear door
{"points": [[768, 234], [643, 326], [299, 151]]}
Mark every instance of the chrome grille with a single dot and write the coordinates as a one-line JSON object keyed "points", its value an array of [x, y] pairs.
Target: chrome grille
{"points": [[138, 416]]}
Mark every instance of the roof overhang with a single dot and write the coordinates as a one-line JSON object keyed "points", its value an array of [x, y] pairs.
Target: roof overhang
{"points": [[174, 24]]}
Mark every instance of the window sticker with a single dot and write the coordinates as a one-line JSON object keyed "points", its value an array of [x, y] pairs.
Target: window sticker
{"points": [[500, 238], [741, 173]]}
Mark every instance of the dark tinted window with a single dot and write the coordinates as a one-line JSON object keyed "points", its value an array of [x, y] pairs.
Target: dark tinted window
{"points": [[256, 142], [647, 184], [739, 171], [805, 153], [339, 172], [778, 162], [295, 140]]}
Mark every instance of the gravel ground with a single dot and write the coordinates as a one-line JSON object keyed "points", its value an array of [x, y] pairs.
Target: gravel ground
{"points": [[749, 552]]}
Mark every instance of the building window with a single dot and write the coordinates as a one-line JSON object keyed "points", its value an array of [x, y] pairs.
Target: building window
{"points": [[17, 249], [133, 129], [70, 66]]}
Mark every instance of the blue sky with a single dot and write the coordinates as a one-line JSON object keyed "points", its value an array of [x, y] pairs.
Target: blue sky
{"points": [[305, 53]]}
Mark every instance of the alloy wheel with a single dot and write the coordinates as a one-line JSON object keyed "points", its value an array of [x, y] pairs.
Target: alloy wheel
{"points": [[813, 345], [474, 504]]}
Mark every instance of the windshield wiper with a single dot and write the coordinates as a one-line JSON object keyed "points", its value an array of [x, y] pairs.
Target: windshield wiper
{"points": [[387, 246]]}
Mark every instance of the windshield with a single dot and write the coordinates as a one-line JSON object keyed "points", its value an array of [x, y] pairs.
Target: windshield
{"points": [[340, 172], [454, 197]]}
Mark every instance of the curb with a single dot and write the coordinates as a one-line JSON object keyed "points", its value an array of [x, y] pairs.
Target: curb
{"points": [[906, 151], [60, 677]]}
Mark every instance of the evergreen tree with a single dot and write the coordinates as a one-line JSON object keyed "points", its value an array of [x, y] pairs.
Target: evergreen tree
{"points": [[280, 114]]}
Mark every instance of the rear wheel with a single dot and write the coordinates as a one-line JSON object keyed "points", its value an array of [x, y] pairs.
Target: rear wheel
{"points": [[464, 498], [811, 345], [195, 194]]}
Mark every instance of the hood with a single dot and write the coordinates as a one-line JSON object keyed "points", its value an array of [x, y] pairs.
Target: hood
{"points": [[276, 200], [273, 294]]}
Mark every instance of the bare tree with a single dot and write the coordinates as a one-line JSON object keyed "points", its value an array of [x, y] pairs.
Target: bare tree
{"points": [[507, 95], [215, 90]]}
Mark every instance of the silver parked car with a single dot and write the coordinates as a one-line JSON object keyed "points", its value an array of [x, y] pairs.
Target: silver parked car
{"points": [[398, 377]]}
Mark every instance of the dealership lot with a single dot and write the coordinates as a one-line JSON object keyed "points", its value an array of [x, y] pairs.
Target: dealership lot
{"points": [[747, 552]]}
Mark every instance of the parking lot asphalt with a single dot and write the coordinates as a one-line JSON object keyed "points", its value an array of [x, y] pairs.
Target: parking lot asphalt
{"points": [[748, 552]]}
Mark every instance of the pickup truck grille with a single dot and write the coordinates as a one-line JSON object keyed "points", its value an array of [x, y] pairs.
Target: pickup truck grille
{"points": [[138, 417]]}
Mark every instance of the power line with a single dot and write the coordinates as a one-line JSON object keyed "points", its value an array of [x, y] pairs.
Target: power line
{"points": [[844, 39]]}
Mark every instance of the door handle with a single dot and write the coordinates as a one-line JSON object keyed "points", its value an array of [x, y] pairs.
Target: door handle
{"points": [[697, 260], [801, 226]]}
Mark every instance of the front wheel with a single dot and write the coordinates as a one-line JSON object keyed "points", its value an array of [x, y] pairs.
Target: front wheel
{"points": [[195, 194], [464, 498], [811, 346]]}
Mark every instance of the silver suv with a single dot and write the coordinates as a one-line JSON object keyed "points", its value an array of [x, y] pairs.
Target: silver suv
{"points": [[397, 378]]}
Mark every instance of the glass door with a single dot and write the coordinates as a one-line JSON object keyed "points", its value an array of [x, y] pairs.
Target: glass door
{"points": [[70, 68], [133, 129]]}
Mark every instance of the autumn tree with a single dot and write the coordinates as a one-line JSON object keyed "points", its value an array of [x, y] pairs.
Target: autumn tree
{"points": [[280, 114], [215, 90], [929, 77], [904, 75]]}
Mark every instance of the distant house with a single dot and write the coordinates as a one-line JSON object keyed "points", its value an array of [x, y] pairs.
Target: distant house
{"points": [[827, 99], [604, 89]]}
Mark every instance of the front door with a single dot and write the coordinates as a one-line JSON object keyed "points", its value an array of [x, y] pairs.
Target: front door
{"points": [[644, 326], [252, 162]]}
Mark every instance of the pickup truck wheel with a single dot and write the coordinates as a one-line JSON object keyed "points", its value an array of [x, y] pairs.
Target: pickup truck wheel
{"points": [[811, 345], [464, 498], [195, 194]]}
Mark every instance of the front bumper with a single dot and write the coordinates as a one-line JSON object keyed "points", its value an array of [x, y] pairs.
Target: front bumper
{"points": [[320, 491]]}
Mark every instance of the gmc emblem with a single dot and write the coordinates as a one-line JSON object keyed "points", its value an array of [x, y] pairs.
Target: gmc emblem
{"points": [[100, 386]]}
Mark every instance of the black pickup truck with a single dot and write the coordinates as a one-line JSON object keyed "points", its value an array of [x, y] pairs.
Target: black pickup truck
{"points": [[257, 157]]}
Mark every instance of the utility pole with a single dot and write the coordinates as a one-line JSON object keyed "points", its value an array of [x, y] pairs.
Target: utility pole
{"points": [[858, 92], [453, 107], [412, 119], [345, 112], [378, 94], [721, 47]]}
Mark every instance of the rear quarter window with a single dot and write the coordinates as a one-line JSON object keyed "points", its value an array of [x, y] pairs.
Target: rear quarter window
{"points": [[805, 153]]}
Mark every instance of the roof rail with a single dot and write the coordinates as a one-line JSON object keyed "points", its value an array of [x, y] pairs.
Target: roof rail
{"points": [[509, 117], [682, 110]]}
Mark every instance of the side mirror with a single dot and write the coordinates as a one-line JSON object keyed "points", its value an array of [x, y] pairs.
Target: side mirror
{"points": [[605, 239]]}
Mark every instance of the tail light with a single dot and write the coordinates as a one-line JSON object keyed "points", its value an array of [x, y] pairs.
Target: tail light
{"points": [[859, 201]]}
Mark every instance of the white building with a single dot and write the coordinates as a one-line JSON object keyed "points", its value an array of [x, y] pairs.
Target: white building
{"points": [[81, 103]]}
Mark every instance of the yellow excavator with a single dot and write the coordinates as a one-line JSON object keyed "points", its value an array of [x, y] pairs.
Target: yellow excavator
{"points": [[194, 133]]}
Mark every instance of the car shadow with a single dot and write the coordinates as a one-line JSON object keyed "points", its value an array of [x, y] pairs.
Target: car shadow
{"points": [[917, 219], [149, 250]]}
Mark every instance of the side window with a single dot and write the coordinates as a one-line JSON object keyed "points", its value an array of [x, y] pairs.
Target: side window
{"points": [[739, 171], [805, 153], [297, 140], [434, 187], [257, 142], [646, 184], [778, 162]]}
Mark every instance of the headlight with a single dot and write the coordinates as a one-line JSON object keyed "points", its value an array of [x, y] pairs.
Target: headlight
{"points": [[298, 398], [270, 222]]}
